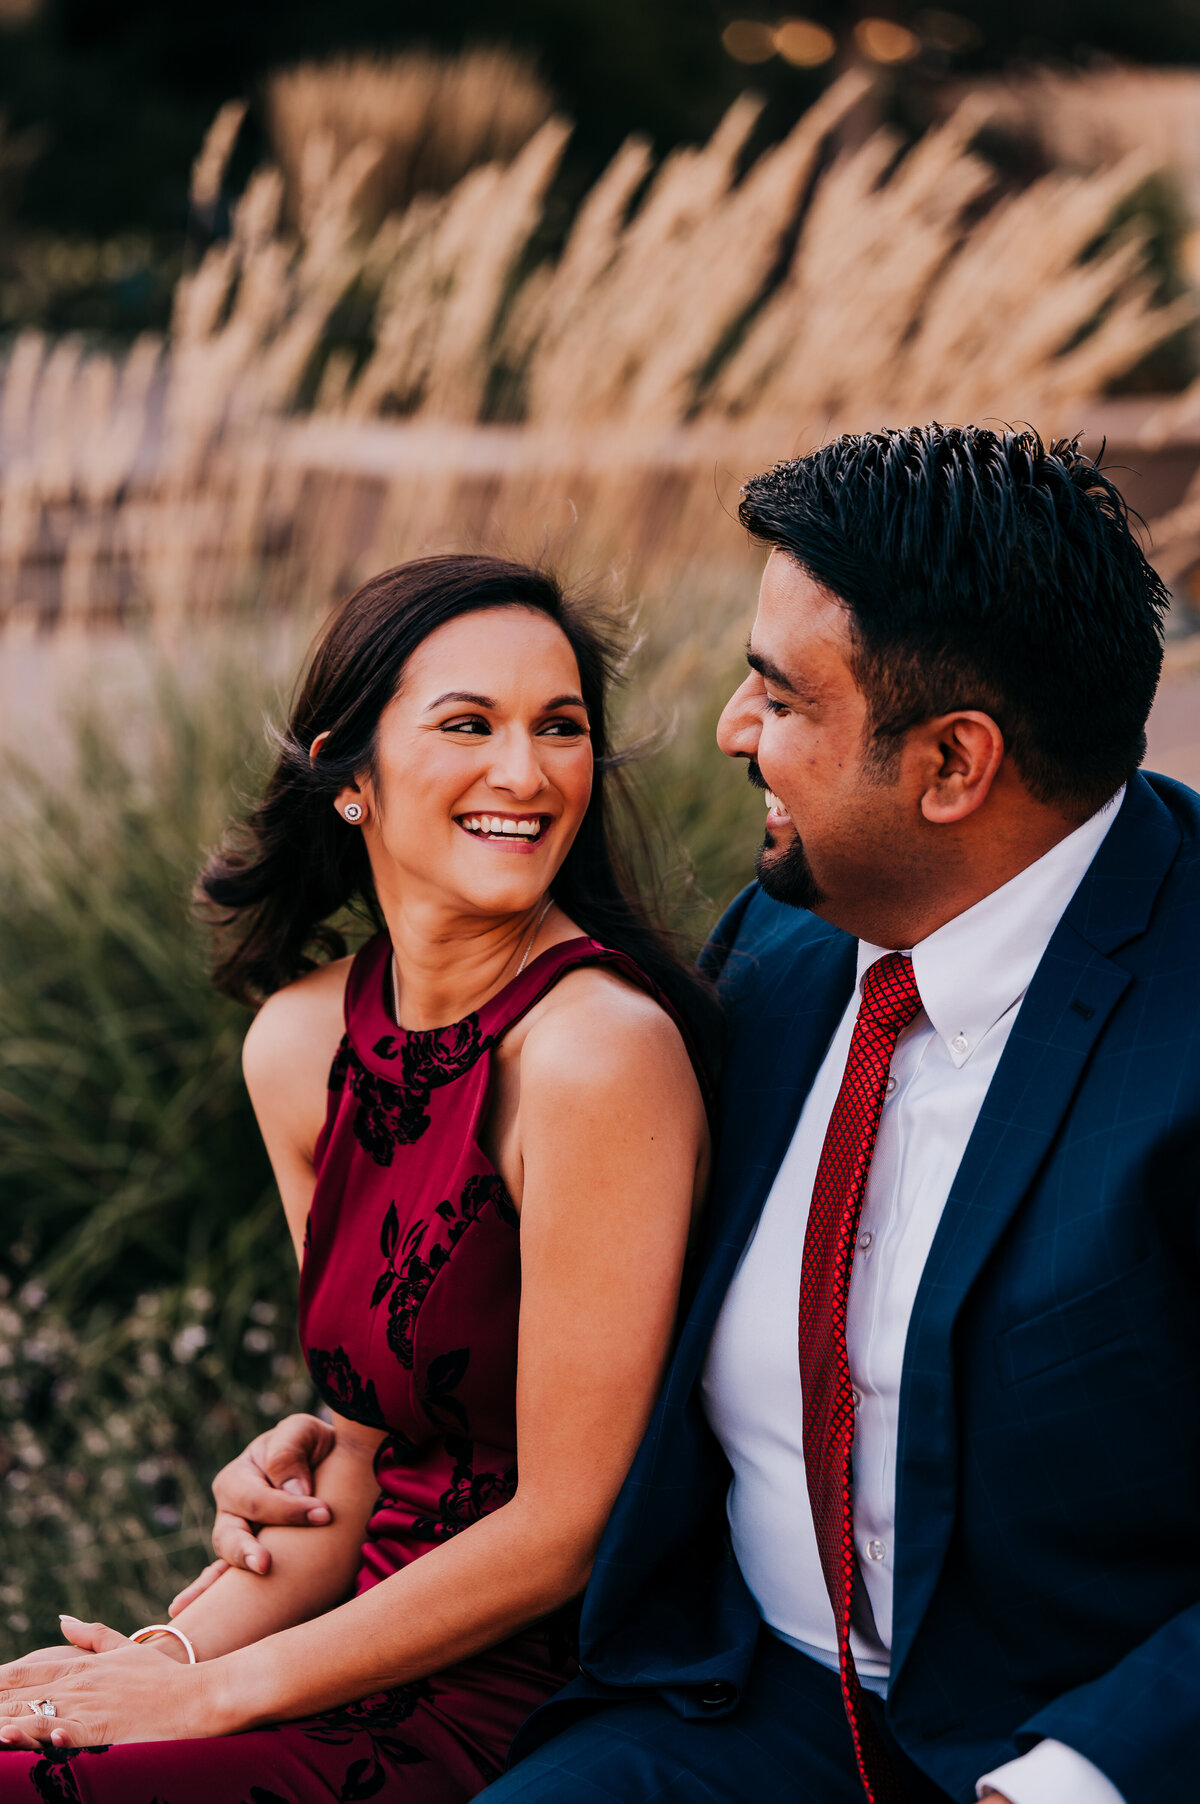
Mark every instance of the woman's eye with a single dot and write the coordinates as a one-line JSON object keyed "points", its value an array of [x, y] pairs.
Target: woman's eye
{"points": [[471, 724], [565, 729]]}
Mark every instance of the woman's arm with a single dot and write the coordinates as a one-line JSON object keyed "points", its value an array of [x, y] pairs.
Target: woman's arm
{"points": [[612, 1133], [611, 1136], [311, 1569], [285, 1060], [269, 1481]]}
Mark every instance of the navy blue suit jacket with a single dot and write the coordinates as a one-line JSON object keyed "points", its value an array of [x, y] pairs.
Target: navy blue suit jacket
{"points": [[1047, 1581]]}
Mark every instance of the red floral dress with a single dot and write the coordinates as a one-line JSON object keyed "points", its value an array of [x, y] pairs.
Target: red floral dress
{"points": [[409, 1300]]}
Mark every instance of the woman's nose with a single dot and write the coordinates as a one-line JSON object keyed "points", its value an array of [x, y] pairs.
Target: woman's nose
{"points": [[516, 768], [740, 725]]}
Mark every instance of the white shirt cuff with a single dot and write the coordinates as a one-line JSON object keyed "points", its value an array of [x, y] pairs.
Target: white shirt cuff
{"points": [[1051, 1773]]}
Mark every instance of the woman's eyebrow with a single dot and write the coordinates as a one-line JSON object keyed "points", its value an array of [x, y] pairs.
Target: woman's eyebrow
{"points": [[486, 701], [463, 695]]}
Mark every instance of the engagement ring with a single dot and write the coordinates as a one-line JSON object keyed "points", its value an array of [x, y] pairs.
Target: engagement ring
{"points": [[44, 1707]]}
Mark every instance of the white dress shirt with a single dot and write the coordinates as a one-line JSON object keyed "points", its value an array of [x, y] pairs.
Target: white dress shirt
{"points": [[972, 975]]}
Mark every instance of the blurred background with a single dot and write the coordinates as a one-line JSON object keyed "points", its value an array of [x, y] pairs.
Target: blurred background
{"points": [[290, 293]]}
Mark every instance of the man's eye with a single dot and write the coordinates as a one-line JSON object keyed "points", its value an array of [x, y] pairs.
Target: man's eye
{"points": [[773, 706], [471, 724]]}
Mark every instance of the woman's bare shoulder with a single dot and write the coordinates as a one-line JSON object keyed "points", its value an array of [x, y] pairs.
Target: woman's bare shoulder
{"points": [[295, 1034], [597, 1028]]}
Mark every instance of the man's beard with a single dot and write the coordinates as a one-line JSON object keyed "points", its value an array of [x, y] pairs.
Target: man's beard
{"points": [[785, 875]]}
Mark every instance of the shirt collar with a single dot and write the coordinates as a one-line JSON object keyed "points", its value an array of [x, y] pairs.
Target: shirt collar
{"points": [[979, 965]]}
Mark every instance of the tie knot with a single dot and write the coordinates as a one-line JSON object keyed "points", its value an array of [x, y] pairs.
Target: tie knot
{"points": [[889, 992]]}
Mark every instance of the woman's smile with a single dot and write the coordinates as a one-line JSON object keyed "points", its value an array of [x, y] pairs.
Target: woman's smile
{"points": [[510, 832]]}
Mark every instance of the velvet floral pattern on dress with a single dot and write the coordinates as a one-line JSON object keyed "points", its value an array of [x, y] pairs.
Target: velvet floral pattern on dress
{"points": [[469, 1496], [342, 1388], [410, 1270], [51, 1775], [387, 1115], [429, 1060], [375, 1717], [392, 1114]]}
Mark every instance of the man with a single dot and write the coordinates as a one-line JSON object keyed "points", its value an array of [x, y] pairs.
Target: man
{"points": [[918, 1513]]}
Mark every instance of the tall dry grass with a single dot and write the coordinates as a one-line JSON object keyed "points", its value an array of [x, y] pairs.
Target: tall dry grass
{"points": [[702, 317], [1091, 118], [432, 117]]}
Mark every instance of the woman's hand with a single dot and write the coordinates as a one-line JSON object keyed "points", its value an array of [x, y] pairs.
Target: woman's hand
{"points": [[87, 1638], [131, 1694], [269, 1484]]}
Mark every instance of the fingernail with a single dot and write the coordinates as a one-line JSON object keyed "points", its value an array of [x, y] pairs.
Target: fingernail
{"points": [[58, 1737], [255, 1562], [295, 1487], [63, 1617], [318, 1515]]}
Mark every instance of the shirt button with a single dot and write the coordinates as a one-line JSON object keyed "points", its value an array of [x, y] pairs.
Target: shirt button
{"points": [[865, 1239], [889, 1089], [857, 1396], [876, 1550], [717, 1694], [960, 1043]]}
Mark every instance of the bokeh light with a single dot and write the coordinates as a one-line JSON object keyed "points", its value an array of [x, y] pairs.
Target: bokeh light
{"points": [[804, 43], [749, 41], [883, 41]]}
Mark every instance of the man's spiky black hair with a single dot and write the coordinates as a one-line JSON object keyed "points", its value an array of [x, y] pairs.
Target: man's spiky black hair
{"points": [[982, 569]]}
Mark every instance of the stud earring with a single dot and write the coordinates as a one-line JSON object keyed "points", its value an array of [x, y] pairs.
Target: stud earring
{"points": [[352, 812]]}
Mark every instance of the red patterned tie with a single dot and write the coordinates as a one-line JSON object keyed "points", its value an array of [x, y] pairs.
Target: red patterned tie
{"points": [[889, 1002]]}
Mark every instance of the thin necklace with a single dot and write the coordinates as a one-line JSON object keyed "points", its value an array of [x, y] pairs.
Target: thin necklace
{"points": [[547, 905]]}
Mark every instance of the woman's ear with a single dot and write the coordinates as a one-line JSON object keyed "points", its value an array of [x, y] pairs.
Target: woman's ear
{"points": [[350, 802]]}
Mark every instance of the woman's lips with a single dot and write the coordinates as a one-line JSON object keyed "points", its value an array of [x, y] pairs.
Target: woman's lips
{"points": [[507, 832]]}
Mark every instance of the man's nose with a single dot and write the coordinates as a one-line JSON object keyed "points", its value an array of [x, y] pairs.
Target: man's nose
{"points": [[740, 724]]}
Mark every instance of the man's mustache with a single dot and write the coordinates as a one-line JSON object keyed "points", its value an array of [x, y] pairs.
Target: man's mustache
{"points": [[755, 776]]}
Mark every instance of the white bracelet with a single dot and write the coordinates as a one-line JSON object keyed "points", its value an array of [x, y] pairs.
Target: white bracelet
{"points": [[167, 1628]]}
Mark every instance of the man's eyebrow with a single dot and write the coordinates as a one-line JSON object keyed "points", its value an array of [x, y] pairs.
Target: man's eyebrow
{"points": [[772, 672]]}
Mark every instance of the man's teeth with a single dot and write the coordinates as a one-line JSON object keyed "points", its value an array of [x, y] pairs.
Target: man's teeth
{"points": [[774, 805], [493, 826]]}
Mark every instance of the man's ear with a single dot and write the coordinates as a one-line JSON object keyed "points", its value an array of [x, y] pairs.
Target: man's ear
{"points": [[965, 751]]}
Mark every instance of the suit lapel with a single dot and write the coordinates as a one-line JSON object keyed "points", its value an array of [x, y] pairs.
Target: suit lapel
{"points": [[1073, 993], [774, 1057]]}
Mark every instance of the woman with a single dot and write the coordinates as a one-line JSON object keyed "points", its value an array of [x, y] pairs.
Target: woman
{"points": [[490, 1143]]}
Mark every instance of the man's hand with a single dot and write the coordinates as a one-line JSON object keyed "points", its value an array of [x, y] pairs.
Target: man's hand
{"points": [[270, 1482]]}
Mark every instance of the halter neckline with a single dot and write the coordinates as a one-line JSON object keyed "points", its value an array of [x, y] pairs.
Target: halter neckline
{"points": [[378, 1039]]}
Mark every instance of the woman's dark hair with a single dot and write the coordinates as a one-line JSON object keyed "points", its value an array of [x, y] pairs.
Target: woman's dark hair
{"points": [[982, 569], [274, 885]]}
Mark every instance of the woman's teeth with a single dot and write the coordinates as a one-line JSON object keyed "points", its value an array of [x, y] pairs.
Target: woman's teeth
{"points": [[493, 826]]}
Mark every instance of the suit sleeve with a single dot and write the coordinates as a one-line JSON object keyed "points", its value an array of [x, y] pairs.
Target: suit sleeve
{"points": [[1140, 1721]]}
